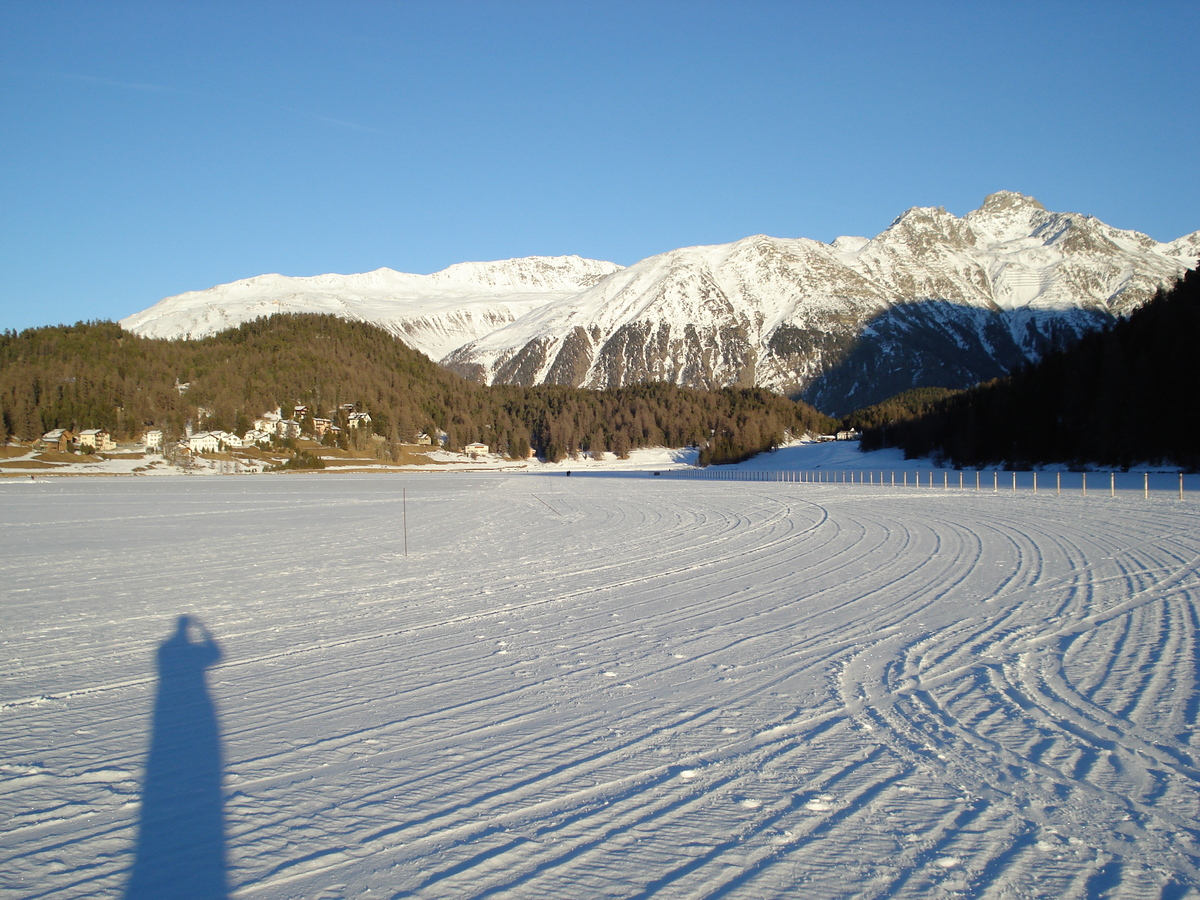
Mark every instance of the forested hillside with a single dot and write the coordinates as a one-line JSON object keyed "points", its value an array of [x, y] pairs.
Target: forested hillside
{"points": [[92, 375], [905, 405], [1124, 396]]}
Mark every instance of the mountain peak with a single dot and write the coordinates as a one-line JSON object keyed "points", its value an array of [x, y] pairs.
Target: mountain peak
{"points": [[922, 228], [1008, 216], [1002, 201]]}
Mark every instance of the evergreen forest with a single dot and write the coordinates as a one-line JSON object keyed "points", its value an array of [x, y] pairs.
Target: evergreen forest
{"points": [[96, 375], [1120, 397]]}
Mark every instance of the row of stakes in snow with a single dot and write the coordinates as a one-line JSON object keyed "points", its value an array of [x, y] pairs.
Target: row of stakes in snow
{"points": [[1028, 480]]}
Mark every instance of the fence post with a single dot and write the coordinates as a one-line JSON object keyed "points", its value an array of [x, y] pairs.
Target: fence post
{"points": [[1035, 481], [1058, 484], [1145, 485], [1180, 485], [1085, 484], [977, 481], [995, 480], [1014, 481]]}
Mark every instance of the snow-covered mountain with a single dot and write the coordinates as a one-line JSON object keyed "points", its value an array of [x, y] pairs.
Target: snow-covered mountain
{"points": [[432, 313], [935, 299]]}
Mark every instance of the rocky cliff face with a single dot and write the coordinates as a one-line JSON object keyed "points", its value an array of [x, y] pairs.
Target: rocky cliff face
{"points": [[933, 300]]}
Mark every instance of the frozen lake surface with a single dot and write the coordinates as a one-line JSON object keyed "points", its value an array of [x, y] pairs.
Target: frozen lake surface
{"points": [[590, 687]]}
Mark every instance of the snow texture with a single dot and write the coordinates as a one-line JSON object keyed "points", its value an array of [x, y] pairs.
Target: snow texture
{"points": [[607, 685], [431, 313]]}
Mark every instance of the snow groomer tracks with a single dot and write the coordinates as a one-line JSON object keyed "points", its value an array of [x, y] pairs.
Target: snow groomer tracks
{"points": [[616, 687]]}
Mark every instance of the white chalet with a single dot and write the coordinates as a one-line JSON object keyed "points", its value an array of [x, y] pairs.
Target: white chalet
{"points": [[96, 438], [476, 449], [203, 442], [228, 440], [153, 439], [287, 428], [256, 436]]}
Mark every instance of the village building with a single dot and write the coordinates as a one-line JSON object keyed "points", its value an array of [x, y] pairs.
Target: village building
{"points": [[358, 418], [202, 442], [256, 436], [95, 439], [153, 439], [227, 440], [287, 428], [476, 448], [320, 426], [424, 439], [59, 439]]}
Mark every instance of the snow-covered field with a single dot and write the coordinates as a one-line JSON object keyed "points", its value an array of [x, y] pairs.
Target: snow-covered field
{"points": [[587, 687]]}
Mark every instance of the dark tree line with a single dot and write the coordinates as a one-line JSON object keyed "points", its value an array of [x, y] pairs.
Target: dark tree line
{"points": [[1120, 397], [94, 374], [903, 406]]}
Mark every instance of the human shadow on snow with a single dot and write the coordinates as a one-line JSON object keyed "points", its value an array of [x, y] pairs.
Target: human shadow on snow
{"points": [[180, 852]]}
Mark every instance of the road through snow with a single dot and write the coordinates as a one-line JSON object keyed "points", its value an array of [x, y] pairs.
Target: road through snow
{"points": [[607, 687]]}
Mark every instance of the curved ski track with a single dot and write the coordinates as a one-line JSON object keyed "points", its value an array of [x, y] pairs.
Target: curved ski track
{"points": [[608, 687]]}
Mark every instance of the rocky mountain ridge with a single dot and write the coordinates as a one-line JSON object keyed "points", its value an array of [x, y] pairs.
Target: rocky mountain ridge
{"points": [[933, 300]]}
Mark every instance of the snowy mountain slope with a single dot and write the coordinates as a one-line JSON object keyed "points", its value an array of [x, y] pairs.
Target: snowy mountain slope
{"points": [[432, 313], [934, 300], [1006, 281]]}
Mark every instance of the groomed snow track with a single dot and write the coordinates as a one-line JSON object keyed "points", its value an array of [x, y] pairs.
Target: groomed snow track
{"points": [[619, 687]]}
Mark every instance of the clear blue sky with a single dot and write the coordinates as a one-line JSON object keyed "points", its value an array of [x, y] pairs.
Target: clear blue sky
{"points": [[153, 148]]}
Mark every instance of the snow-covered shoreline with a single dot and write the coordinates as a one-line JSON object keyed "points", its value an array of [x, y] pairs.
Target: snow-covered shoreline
{"points": [[799, 456]]}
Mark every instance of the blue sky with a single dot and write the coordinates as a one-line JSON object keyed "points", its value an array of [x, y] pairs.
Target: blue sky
{"points": [[153, 148]]}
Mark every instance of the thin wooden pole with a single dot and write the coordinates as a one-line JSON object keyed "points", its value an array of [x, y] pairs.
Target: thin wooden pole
{"points": [[404, 506]]}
